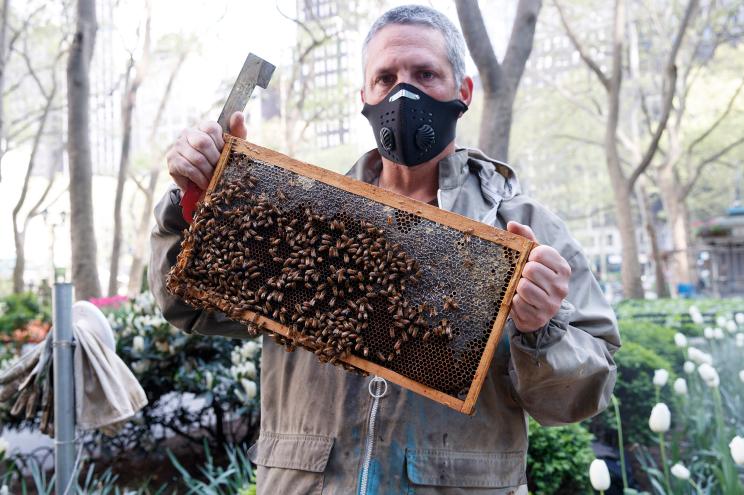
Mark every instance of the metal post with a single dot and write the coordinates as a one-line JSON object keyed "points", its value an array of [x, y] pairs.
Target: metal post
{"points": [[64, 388]]}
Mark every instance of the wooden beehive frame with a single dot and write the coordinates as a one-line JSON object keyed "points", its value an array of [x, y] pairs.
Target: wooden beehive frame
{"points": [[448, 219]]}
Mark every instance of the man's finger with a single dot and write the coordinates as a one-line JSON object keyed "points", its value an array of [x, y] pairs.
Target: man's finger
{"points": [[184, 167], [213, 130], [203, 143], [237, 125], [552, 259], [523, 230], [532, 294]]}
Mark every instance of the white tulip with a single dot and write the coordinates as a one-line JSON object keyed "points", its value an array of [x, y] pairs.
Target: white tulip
{"points": [[680, 471], [741, 375], [708, 333], [696, 316], [731, 326], [138, 343], [737, 450], [249, 387], [236, 358], [680, 340], [4, 446], [718, 334], [661, 377], [4, 490], [739, 318], [249, 349], [680, 386], [660, 419], [599, 475], [248, 369], [209, 379], [709, 375], [740, 340], [720, 321], [689, 367], [699, 356]]}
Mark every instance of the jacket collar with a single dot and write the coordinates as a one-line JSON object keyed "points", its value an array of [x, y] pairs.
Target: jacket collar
{"points": [[498, 180]]}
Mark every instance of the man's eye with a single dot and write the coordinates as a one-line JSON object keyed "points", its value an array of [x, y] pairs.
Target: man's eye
{"points": [[427, 75], [388, 79]]}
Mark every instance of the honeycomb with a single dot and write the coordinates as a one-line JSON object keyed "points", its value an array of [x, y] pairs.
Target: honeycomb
{"points": [[346, 274]]}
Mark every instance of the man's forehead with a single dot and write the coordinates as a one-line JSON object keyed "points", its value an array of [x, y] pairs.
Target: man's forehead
{"points": [[402, 39]]}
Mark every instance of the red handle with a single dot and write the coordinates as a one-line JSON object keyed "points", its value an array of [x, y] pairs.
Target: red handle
{"points": [[188, 201]]}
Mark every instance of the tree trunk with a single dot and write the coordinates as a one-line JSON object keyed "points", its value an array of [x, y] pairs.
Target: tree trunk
{"points": [[495, 126], [500, 79], [136, 269], [3, 32], [662, 287], [82, 229]]}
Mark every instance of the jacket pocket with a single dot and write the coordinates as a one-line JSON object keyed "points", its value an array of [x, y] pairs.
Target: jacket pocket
{"points": [[290, 463], [470, 472]]}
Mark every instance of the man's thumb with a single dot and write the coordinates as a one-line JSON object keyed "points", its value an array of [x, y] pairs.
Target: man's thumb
{"points": [[523, 230], [237, 125]]}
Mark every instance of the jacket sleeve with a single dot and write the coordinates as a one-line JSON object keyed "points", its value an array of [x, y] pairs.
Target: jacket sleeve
{"points": [[165, 244], [565, 372]]}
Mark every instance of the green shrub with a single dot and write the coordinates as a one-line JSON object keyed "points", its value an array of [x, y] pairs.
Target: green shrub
{"points": [[656, 338], [558, 459], [636, 393], [18, 309]]}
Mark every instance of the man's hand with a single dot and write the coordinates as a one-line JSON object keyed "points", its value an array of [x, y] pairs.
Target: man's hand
{"points": [[196, 151], [543, 285]]}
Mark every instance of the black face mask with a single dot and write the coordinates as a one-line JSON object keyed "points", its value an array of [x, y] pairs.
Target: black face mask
{"points": [[410, 126]]}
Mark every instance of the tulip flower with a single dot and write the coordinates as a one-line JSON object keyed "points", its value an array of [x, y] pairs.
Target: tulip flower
{"points": [[249, 349], [699, 356], [695, 315], [709, 375], [249, 387], [720, 321], [741, 376], [3, 447], [661, 377], [731, 326], [740, 340], [718, 334], [737, 450], [209, 379], [708, 333], [680, 471], [680, 340], [4, 490], [599, 475], [680, 386], [138, 344], [660, 418], [739, 318], [689, 367]]}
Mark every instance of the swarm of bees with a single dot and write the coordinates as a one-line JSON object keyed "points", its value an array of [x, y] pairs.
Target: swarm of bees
{"points": [[330, 280]]}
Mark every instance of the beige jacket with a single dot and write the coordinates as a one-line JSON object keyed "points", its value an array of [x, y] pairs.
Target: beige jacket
{"points": [[327, 431]]}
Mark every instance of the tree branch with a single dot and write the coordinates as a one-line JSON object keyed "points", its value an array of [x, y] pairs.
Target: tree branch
{"points": [[705, 162], [479, 44], [588, 60], [669, 90], [520, 41]]}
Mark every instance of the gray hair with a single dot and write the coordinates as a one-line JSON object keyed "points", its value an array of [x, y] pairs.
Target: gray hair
{"points": [[421, 15]]}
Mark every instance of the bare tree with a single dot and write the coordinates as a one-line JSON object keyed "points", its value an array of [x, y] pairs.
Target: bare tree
{"points": [[500, 80], [139, 246], [621, 179], [48, 95], [82, 233], [129, 100], [3, 35]]}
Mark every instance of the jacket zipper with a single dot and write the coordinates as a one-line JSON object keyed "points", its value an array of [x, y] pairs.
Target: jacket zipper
{"points": [[376, 396]]}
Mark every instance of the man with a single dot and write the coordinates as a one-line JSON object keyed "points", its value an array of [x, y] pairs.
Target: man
{"points": [[327, 431]]}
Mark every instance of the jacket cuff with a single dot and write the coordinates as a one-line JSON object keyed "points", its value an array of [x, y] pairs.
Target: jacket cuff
{"points": [[537, 343]]}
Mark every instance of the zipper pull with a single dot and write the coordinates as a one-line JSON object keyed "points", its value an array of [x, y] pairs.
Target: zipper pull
{"points": [[376, 394]]}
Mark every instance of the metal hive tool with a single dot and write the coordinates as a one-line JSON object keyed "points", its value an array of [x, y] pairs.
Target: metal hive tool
{"points": [[364, 278]]}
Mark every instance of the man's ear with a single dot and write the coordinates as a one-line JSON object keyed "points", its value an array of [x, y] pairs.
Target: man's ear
{"points": [[466, 90], [361, 95]]}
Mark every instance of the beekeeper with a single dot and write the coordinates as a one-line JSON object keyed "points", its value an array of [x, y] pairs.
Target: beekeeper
{"points": [[324, 430]]}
